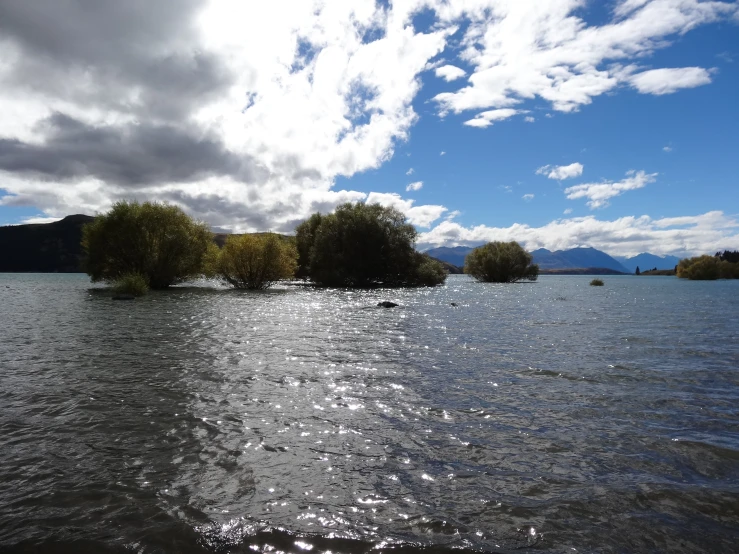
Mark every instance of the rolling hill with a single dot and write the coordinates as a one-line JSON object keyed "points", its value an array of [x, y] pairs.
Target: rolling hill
{"points": [[43, 247]]}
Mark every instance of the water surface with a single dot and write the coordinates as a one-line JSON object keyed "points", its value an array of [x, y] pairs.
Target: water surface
{"points": [[548, 416]]}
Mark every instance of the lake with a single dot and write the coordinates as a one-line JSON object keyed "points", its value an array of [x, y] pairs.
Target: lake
{"points": [[549, 416]]}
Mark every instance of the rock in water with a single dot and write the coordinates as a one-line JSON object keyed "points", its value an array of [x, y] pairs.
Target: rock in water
{"points": [[386, 304]]}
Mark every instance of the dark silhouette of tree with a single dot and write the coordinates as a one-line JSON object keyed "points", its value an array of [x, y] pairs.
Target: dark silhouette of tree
{"points": [[363, 245], [637, 272], [728, 256]]}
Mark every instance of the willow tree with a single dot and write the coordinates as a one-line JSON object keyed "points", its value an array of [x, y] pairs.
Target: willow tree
{"points": [[158, 242], [501, 262], [256, 261], [364, 245]]}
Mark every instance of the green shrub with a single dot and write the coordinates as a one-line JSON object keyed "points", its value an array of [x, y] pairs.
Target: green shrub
{"points": [[363, 245], [257, 261], [134, 284], [701, 268], [501, 262], [596, 283], [728, 270], [158, 241], [429, 272]]}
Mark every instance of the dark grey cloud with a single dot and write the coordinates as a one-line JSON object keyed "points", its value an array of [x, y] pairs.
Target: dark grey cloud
{"points": [[218, 210], [140, 57], [130, 155]]}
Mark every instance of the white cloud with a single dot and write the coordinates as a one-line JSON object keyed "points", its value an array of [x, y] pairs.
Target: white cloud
{"points": [[561, 172], [626, 236], [518, 53], [442, 153], [528, 197], [667, 148], [669, 80], [485, 119], [422, 216], [418, 185], [529, 119], [598, 194], [568, 211], [450, 72], [411, 171]]}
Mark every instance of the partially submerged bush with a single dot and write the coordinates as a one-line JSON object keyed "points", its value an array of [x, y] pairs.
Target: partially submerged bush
{"points": [[501, 262], [363, 245], [257, 261], [134, 284], [429, 272], [596, 283], [157, 241]]}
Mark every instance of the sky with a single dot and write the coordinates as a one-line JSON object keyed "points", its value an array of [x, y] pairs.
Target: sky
{"points": [[556, 123]]}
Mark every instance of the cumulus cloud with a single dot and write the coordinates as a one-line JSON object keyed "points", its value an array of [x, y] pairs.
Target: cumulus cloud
{"points": [[529, 119], [450, 72], [485, 119], [669, 80], [422, 216], [567, 211], [667, 148], [411, 171], [626, 236], [598, 194], [418, 185], [528, 197], [561, 172]]}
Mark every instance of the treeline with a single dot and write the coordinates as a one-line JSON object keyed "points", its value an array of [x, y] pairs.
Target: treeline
{"points": [[723, 265], [136, 246]]}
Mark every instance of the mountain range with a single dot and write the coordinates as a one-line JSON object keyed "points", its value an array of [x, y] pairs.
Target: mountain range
{"points": [[574, 258], [647, 261]]}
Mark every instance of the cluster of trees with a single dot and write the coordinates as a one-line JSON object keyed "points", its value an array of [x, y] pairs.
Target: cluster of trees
{"points": [[707, 268], [137, 246], [501, 262], [728, 256]]}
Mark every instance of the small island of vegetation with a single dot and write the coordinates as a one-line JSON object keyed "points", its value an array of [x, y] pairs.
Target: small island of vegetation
{"points": [[501, 262], [723, 265]]}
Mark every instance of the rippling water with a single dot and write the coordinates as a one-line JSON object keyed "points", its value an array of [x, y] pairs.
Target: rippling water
{"points": [[552, 416]]}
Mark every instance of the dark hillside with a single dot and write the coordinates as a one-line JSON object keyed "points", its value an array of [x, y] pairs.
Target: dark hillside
{"points": [[44, 247]]}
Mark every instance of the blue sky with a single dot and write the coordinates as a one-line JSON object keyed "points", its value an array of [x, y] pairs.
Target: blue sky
{"points": [[253, 117]]}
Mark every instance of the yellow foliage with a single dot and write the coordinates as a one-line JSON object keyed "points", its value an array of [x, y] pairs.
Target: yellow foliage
{"points": [[256, 261], [699, 268]]}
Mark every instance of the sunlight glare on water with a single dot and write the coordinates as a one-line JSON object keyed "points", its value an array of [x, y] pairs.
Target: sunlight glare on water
{"points": [[548, 415]]}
